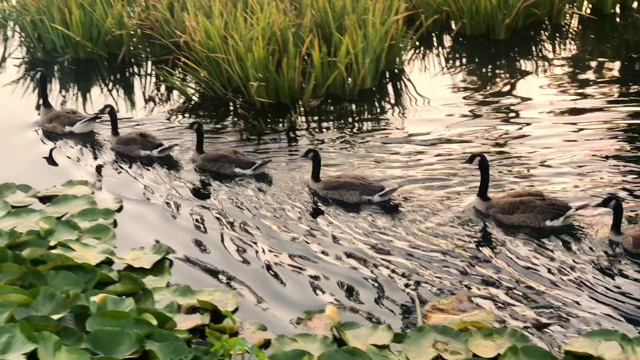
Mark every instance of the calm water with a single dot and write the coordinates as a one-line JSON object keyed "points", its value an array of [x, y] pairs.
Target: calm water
{"points": [[557, 121]]}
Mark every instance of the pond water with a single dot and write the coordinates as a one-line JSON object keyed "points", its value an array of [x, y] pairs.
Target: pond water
{"points": [[561, 122]]}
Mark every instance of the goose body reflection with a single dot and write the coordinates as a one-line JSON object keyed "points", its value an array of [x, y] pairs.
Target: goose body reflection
{"points": [[135, 143], [63, 121], [224, 161], [520, 208], [630, 240], [349, 188]]}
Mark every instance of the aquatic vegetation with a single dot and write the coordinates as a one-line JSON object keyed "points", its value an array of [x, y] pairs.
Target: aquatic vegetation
{"points": [[61, 297]]}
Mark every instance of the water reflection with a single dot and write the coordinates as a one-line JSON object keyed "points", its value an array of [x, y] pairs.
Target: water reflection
{"points": [[551, 113]]}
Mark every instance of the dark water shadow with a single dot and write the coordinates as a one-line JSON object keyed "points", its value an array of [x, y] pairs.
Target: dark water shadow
{"points": [[168, 162]]}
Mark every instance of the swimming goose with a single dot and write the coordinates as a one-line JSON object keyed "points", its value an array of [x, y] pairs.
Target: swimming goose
{"points": [[520, 208], [349, 188], [630, 240], [135, 143], [224, 161], [63, 121]]}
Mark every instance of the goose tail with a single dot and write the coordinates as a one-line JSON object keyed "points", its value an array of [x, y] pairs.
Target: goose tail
{"points": [[567, 217], [259, 167], [85, 125], [385, 194], [163, 150]]}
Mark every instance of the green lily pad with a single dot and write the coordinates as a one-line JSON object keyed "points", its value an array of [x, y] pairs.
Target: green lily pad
{"points": [[51, 348], [72, 187], [603, 344], [115, 319], [126, 285], [190, 321], [489, 343], [9, 272], [69, 204], [15, 294], [15, 340], [102, 232], [295, 354], [22, 220], [42, 323], [87, 273], [527, 352], [46, 302], [116, 343], [451, 310], [104, 302], [5, 207], [62, 280], [142, 257], [345, 353], [170, 350], [57, 230], [426, 342], [107, 201], [163, 320], [8, 256], [6, 310], [314, 344], [360, 336], [158, 275], [85, 252], [18, 194], [186, 296], [86, 218]]}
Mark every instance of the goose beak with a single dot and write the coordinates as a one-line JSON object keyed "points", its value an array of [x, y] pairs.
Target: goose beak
{"points": [[598, 204]]}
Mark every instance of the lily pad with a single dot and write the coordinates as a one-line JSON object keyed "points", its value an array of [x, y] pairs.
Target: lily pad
{"points": [[18, 194], [345, 353], [295, 354], [15, 294], [142, 257], [72, 187], [527, 352], [87, 218], [115, 319], [170, 350], [158, 275], [109, 302], [451, 310], [186, 296], [84, 252], [102, 232], [62, 280], [118, 343], [489, 343], [15, 340], [51, 348], [5, 207], [603, 344], [320, 322], [360, 336], [190, 321], [127, 284], [107, 201], [22, 220], [255, 333], [46, 302], [57, 230], [69, 204], [6, 310], [426, 342], [314, 344]]}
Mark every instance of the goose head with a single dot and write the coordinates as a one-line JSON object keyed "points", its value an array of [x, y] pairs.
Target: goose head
{"points": [[611, 201], [108, 109], [311, 154], [477, 159]]}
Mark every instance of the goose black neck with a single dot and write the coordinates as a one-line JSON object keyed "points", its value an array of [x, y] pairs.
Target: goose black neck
{"points": [[616, 225], [199, 140], [483, 189], [315, 169], [113, 118], [44, 92]]}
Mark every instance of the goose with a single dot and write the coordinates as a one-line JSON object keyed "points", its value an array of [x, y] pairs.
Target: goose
{"points": [[63, 121], [135, 143], [224, 161], [520, 208], [349, 188], [630, 240]]}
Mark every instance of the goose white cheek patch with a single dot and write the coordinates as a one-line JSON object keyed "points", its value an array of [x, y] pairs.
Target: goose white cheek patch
{"points": [[612, 205], [476, 161]]}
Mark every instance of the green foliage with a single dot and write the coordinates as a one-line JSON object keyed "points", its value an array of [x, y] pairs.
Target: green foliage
{"points": [[60, 298]]}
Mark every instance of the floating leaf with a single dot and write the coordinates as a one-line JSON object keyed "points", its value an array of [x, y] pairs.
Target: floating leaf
{"points": [[17, 195], [115, 319], [16, 339], [426, 342], [186, 296], [142, 257], [158, 275], [527, 352], [126, 285], [189, 321], [62, 280], [163, 320], [360, 336], [9, 272], [107, 201], [89, 217], [320, 322], [5, 207], [170, 350], [47, 302], [87, 273], [489, 343], [51, 348], [84, 252], [57, 230], [254, 333], [109, 302], [22, 220], [450, 310], [6, 310], [102, 232], [15, 294], [604, 344], [345, 353], [72, 187], [295, 354], [42, 323], [69, 204], [314, 344], [117, 343]]}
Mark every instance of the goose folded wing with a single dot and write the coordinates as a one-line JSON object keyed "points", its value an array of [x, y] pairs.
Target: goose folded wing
{"points": [[231, 157], [547, 208], [141, 139], [352, 182]]}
